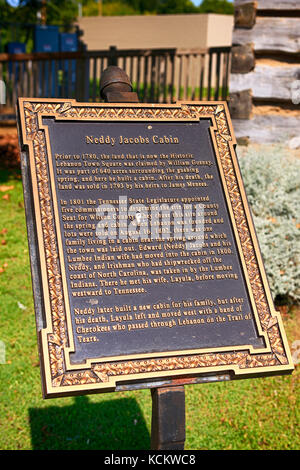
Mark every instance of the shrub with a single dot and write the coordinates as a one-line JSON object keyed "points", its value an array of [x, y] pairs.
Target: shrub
{"points": [[272, 178]]}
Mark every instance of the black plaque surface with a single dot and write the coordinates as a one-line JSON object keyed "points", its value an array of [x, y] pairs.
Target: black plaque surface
{"points": [[133, 307]]}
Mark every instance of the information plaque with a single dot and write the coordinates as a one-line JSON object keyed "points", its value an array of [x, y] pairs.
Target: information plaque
{"points": [[144, 258]]}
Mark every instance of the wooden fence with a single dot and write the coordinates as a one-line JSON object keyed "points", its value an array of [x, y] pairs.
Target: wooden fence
{"points": [[158, 75]]}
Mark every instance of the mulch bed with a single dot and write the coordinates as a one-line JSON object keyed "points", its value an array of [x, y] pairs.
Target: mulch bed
{"points": [[9, 150]]}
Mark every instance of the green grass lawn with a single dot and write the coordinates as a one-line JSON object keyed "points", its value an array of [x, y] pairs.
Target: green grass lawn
{"points": [[246, 414]]}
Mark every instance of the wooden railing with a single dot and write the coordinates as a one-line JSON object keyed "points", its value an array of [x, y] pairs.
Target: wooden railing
{"points": [[158, 75]]}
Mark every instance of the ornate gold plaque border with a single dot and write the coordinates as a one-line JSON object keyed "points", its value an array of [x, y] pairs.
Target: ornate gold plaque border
{"points": [[59, 377]]}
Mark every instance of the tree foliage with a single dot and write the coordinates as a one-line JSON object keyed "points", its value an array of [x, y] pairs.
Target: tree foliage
{"points": [[28, 11], [161, 7], [216, 6], [66, 11], [155, 7]]}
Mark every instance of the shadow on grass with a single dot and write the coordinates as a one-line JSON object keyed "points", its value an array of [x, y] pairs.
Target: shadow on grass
{"points": [[109, 425]]}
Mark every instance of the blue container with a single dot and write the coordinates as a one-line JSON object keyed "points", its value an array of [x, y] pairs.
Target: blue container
{"points": [[46, 39], [16, 48], [69, 43]]}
